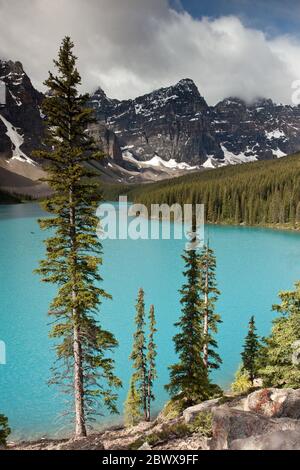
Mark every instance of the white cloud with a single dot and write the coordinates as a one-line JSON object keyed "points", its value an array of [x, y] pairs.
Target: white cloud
{"points": [[130, 47]]}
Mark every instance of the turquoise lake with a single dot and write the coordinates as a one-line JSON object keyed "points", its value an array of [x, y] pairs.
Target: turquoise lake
{"points": [[253, 265]]}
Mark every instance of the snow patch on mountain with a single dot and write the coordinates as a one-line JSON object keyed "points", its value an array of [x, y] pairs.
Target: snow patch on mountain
{"points": [[16, 141], [211, 162], [15, 98], [278, 153], [232, 159], [172, 164], [275, 134], [158, 162]]}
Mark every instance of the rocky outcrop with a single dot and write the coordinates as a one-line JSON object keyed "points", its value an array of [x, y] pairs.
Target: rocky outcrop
{"points": [[266, 419], [107, 142], [277, 440], [230, 425], [275, 403], [191, 413]]}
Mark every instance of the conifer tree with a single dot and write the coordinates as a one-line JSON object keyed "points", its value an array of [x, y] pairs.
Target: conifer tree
{"points": [[132, 407], [242, 382], [4, 430], [250, 354], [189, 377], [151, 363], [138, 355], [73, 249], [279, 362], [209, 295]]}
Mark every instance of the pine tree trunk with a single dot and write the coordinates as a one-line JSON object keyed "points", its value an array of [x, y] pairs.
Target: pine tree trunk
{"points": [[80, 428], [145, 395], [205, 321], [149, 398], [252, 376]]}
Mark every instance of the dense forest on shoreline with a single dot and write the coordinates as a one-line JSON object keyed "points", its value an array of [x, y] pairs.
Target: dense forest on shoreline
{"points": [[266, 192], [7, 198]]}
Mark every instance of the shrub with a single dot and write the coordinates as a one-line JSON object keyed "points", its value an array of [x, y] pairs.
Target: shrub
{"points": [[242, 381], [202, 424], [4, 430], [173, 409]]}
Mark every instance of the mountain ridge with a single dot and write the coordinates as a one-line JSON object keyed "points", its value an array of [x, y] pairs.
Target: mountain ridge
{"points": [[161, 134], [187, 129]]}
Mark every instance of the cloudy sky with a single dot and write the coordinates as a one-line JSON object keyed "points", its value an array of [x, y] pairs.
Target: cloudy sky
{"points": [[245, 48]]}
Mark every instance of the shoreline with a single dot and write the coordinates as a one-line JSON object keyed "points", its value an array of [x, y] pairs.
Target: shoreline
{"points": [[275, 227], [285, 227]]}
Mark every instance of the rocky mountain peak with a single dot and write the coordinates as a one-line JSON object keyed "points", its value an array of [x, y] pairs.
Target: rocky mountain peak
{"points": [[10, 66], [185, 93], [100, 94], [102, 104], [187, 85], [12, 74], [21, 124], [263, 102]]}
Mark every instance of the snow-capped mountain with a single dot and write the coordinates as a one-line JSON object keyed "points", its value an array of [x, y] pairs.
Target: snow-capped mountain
{"points": [[158, 135], [20, 117], [175, 123]]}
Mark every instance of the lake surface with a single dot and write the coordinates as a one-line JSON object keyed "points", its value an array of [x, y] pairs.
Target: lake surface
{"points": [[253, 266]]}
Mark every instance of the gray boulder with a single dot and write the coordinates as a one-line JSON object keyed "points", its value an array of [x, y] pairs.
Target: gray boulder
{"points": [[277, 440], [274, 403], [192, 412], [230, 425]]}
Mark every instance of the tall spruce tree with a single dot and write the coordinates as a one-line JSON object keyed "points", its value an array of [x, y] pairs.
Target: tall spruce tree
{"points": [[151, 361], [251, 350], [279, 362], [73, 249], [138, 355], [209, 295], [189, 377]]}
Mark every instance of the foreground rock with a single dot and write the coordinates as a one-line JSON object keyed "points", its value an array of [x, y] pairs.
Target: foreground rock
{"points": [[233, 429], [277, 440], [275, 403], [192, 412]]}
